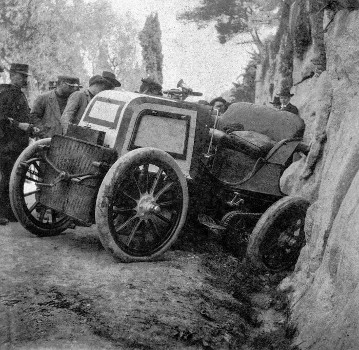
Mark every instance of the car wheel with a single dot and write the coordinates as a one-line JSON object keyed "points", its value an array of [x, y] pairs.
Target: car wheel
{"points": [[278, 237], [24, 193], [141, 205]]}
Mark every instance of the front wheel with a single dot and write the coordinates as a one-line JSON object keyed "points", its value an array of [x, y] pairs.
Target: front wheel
{"points": [[141, 205], [25, 188], [278, 237]]}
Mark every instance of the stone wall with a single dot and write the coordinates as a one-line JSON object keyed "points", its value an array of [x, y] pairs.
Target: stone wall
{"points": [[325, 297]]}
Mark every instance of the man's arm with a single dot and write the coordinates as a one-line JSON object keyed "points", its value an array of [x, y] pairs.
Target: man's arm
{"points": [[72, 106]]}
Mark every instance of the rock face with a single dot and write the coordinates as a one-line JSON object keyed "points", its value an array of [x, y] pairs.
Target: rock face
{"points": [[325, 300]]}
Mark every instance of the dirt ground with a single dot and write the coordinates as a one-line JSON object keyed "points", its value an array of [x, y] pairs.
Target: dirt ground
{"points": [[67, 292]]}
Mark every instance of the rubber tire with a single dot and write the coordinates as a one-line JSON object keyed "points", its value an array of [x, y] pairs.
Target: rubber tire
{"points": [[107, 187], [16, 197], [264, 224]]}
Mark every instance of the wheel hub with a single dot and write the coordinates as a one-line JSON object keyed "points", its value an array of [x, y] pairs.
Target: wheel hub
{"points": [[147, 205]]}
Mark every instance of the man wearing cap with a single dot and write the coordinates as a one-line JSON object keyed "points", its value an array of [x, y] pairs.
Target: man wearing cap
{"points": [[15, 128], [79, 100], [150, 87], [284, 97], [220, 104], [47, 109]]}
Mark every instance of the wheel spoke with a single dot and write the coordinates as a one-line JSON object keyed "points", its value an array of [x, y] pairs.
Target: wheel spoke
{"points": [[143, 178], [31, 209], [32, 192], [42, 214], [156, 180], [137, 185], [168, 203], [154, 227], [126, 223], [122, 210], [33, 180], [53, 216], [129, 196], [37, 166], [133, 232], [163, 218], [163, 190]]}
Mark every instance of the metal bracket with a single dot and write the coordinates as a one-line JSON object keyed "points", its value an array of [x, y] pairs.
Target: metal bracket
{"points": [[236, 201]]}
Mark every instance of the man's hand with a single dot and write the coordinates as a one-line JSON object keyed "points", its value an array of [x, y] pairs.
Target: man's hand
{"points": [[25, 126]]}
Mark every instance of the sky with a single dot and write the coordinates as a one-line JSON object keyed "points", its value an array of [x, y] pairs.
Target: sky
{"points": [[190, 54]]}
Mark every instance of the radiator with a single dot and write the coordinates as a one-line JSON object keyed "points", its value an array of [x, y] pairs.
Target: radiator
{"points": [[70, 196]]}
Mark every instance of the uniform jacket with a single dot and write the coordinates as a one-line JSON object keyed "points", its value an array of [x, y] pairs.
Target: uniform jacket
{"points": [[75, 108], [46, 115], [290, 108], [13, 104]]}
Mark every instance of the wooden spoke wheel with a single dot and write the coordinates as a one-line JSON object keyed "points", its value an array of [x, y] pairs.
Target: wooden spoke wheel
{"points": [[238, 226], [27, 173], [278, 237], [141, 205]]}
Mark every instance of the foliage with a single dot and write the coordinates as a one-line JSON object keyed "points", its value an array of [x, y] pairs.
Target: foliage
{"points": [[302, 32], [286, 58], [245, 91], [233, 17], [63, 37], [150, 40], [283, 26], [265, 64]]}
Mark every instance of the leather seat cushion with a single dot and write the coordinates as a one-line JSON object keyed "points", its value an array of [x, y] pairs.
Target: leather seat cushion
{"points": [[258, 145]]}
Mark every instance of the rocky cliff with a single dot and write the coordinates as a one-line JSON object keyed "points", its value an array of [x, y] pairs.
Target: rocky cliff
{"points": [[325, 283]]}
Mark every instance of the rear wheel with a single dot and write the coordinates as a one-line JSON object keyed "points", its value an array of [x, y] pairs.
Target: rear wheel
{"points": [[141, 205], [26, 176], [278, 237]]}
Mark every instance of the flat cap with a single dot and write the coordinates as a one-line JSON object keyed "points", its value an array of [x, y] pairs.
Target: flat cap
{"points": [[69, 80], [20, 68]]}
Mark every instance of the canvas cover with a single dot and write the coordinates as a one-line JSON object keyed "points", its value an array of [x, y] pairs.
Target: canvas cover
{"points": [[277, 125]]}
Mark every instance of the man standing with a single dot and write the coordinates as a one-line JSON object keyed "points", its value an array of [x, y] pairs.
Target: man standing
{"points": [[284, 97], [47, 109], [276, 103], [79, 100], [14, 131]]}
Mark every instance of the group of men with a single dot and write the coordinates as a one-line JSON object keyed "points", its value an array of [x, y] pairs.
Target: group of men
{"points": [[54, 110], [50, 114]]}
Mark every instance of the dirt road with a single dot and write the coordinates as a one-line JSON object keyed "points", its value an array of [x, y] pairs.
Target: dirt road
{"points": [[66, 292]]}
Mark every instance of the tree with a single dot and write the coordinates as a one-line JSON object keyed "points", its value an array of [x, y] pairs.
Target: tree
{"points": [[244, 88], [122, 54], [233, 17], [150, 40], [56, 37], [39, 33]]}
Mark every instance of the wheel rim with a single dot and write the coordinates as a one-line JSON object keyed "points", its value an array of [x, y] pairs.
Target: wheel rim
{"points": [[281, 247], [145, 208], [31, 174]]}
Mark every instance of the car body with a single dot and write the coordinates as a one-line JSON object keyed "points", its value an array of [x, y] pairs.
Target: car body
{"points": [[135, 162]]}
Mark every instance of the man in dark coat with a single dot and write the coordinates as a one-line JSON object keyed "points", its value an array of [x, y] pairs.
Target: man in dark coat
{"points": [[276, 103], [79, 100], [14, 131], [284, 97], [48, 107]]}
